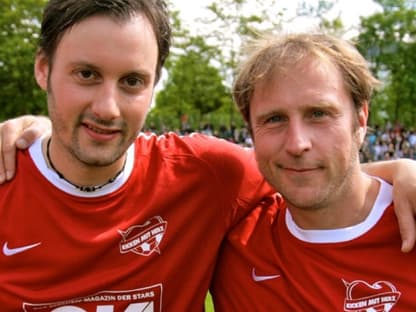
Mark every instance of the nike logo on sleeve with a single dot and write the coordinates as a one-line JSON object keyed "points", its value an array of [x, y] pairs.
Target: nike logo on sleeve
{"points": [[260, 278], [13, 251]]}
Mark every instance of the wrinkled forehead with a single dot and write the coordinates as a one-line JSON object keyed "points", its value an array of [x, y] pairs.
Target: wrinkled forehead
{"points": [[283, 69]]}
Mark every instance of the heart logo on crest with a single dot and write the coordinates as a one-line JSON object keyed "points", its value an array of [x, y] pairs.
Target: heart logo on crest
{"points": [[364, 297]]}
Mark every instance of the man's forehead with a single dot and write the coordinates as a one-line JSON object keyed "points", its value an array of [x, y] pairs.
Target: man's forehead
{"points": [[102, 42]]}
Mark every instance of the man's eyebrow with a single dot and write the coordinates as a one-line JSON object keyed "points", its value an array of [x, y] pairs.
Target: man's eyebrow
{"points": [[319, 104], [83, 64], [136, 71], [139, 71]]}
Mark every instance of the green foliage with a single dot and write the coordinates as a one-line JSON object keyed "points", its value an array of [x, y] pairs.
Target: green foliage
{"points": [[243, 20], [193, 91], [388, 40], [19, 28]]}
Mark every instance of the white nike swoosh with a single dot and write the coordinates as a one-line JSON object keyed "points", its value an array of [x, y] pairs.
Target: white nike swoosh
{"points": [[260, 278], [12, 251]]}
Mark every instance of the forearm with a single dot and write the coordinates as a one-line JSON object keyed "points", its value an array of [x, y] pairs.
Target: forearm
{"points": [[402, 174], [392, 170]]}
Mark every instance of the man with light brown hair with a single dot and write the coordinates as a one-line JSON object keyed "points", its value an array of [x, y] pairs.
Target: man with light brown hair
{"points": [[332, 242]]}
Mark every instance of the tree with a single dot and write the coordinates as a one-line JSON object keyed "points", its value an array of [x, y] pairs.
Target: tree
{"points": [[19, 28], [319, 12], [194, 88], [232, 23], [388, 40]]}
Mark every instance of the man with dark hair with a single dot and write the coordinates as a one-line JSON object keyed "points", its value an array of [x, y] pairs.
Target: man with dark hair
{"points": [[100, 217]]}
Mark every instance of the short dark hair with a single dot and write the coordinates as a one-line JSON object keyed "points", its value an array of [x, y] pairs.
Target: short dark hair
{"points": [[60, 15]]}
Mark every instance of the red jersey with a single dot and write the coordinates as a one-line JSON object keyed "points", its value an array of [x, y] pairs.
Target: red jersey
{"points": [[270, 264], [146, 242]]}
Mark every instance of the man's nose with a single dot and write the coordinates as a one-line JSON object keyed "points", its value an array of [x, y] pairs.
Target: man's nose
{"points": [[298, 138], [105, 104]]}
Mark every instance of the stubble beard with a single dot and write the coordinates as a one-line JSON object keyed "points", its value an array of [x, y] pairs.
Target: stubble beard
{"points": [[324, 196]]}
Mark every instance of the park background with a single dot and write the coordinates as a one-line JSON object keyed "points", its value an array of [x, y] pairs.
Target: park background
{"points": [[208, 38]]}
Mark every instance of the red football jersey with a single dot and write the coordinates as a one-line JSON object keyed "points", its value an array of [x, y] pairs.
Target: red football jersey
{"points": [[146, 242], [270, 264]]}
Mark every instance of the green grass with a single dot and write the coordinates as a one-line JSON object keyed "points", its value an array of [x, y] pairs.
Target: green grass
{"points": [[209, 307]]}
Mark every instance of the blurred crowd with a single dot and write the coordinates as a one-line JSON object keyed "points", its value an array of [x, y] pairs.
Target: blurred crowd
{"points": [[389, 142], [381, 143], [232, 133]]}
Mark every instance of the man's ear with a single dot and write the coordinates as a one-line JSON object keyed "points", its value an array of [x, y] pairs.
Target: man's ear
{"points": [[362, 121], [41, 70]]}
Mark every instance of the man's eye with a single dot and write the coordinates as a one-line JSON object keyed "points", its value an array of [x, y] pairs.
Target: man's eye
{"points": [[86, 74], [274, 119], [318, 114], [133, 82]]}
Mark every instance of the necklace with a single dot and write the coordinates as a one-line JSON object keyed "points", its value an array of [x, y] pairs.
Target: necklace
{"points": [[82, 188]]}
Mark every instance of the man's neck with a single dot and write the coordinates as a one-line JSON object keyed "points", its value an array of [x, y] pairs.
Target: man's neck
{"points": [[83, 177], [350, 208]]}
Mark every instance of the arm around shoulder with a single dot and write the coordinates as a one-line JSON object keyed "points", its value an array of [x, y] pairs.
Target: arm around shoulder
{"points": [[19, 132], [402, 174]]}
